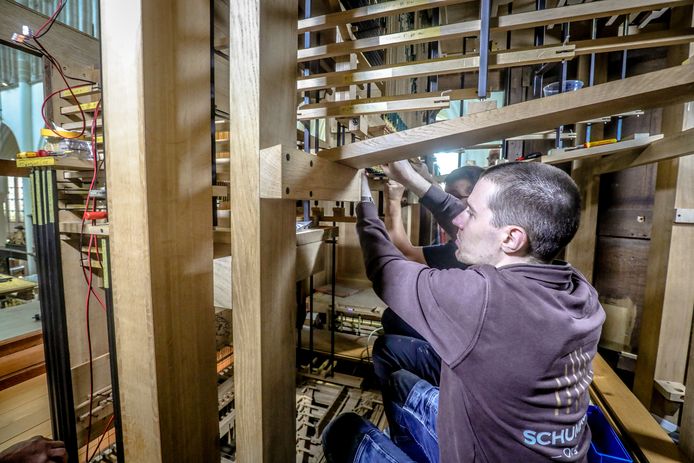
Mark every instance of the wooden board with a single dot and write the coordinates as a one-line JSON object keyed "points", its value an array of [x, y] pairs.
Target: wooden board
{"points": [[649, 90], [376, 10], [156, 75], [637, 425], [636, 145], [437, 66], [263, 38], [18, 320]]}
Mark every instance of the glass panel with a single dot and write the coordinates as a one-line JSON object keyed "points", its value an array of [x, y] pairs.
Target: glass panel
{"points": [[21, 95]]}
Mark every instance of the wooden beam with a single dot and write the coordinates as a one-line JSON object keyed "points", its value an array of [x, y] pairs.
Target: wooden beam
{"points": [[74, 49], [472, 28], [377, 10], [287, 173], [156, 74], [664, 38], [438, 66], [642, 433], [8, 168], [263, 38], [649, 90], [388, 104], [671, 147], [634, 146]]}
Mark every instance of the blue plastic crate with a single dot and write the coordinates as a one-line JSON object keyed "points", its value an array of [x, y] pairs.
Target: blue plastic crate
{"points": [[605, 446]]}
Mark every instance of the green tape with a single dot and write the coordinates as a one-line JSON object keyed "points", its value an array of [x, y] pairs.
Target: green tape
{"points": [[39, 197], [50, 173], [105, 263], [32, 183]]}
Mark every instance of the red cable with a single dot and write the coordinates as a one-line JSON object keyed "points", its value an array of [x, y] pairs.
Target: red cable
{"points": [[51, 19], [103, 434]]}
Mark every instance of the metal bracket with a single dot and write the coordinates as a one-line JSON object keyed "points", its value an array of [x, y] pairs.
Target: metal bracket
{"points": [[684, 216]]}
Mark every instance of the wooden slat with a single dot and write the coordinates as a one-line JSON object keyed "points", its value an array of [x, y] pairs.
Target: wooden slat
{"points": [[377, 10], [472, 28], [636, 145], [670, 147], [8, 168], [355, 108], [263, 38], [632, 42], [645, 91], [438, 66], [636, 423], [157, 128]]}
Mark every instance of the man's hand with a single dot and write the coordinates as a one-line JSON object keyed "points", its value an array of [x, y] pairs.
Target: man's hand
{"points": [[402, 172], [394, 191], [421, 169], [35, 450]]}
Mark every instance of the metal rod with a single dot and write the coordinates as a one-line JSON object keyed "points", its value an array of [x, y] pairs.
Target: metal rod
{"points": [[623, 74], [538, 40], [310, 324], [485, 6], [562, 78], [332, 307], [591, 71]]}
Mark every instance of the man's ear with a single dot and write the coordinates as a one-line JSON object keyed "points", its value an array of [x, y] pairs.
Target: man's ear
{"points": [[515, 241]]}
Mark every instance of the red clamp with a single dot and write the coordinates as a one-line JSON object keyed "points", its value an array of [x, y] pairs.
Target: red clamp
{"points": [[95, 215]]}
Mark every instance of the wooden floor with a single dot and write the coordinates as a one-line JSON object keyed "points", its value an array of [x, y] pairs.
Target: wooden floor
{"points": [[24, 412]]}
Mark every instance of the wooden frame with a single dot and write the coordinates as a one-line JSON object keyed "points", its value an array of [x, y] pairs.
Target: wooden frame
{"points": [[654, 89], [263, 235], [156, 74]]}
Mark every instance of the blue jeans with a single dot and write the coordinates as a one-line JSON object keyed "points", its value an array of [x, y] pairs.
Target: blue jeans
{"points": [[408, 371]]}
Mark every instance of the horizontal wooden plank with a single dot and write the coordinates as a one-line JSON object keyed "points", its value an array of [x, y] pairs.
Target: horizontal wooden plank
{"points": [[292, 174], [438, 66], [637, 41], [377, 10], [354, 108], [636, 424], [654, 89], [636, 145], [669, 147], [472, 28]]}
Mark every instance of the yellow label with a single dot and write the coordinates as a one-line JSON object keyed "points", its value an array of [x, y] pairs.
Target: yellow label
{"points": [[84, 89], [37, 162]]}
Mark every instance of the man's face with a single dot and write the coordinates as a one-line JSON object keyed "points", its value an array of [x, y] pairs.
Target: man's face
{"points": [[460, 189], [478, 241]]}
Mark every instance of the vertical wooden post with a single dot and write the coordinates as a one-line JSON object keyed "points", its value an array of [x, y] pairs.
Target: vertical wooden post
{"points": [[156, 73], [262, 52], [669, 297]]}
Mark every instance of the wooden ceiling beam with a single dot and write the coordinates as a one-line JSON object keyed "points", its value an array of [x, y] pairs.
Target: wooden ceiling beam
{"points": [[472, 28], [439, 66], [654, 89], [388, 104]]}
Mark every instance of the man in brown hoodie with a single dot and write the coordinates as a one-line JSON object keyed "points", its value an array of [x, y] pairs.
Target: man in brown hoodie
{"points": [[516, 332]]}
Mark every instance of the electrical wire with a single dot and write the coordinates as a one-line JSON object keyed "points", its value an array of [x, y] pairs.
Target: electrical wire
{"points": [[103, 434], [43, 30]]}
